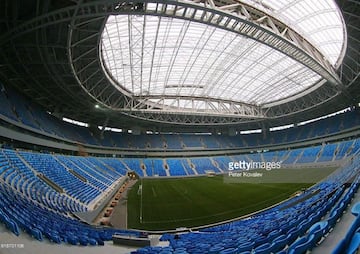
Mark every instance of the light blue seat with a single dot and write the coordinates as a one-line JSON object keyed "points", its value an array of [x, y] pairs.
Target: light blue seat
{"points": [[301, 245], [319, 229], [355, 209], [351, 239]]}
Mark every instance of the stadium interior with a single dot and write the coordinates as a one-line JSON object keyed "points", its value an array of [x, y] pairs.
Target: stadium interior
{"points": [[188, 126]]}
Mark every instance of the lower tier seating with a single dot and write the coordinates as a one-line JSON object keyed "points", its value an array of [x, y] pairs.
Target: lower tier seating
{"points": [[21, 214], [294, 226]]}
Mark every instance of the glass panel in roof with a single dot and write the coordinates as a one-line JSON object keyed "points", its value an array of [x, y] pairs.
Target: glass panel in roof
{"points": [[320, 22], [162, 56]]}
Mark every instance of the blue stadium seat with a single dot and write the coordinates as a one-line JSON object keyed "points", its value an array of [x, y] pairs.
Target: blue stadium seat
{"points": [[36, 233], [16, 108], [263, 249], [279, 243], [247, 246], [301, 245], [351, 242]]}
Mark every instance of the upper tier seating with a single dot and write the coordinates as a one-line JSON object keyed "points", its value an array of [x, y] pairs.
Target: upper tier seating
{"points": [[19, 110]]}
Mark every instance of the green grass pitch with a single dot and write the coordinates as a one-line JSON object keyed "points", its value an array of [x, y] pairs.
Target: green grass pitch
{"points": [[190, 202]]}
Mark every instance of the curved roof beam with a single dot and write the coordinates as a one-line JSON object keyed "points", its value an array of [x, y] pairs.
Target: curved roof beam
{"points": [[237, 17]]}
